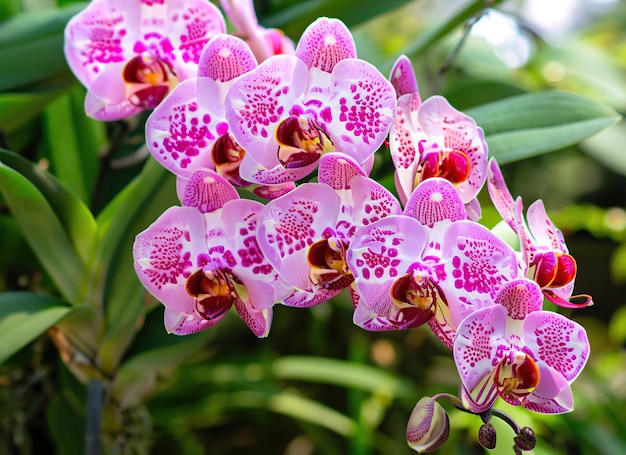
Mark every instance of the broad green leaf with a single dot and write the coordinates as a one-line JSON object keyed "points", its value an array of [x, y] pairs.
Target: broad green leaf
{"points": [[340, 372], [141, 375], [532, 124], [206, 410], [73, 141], [73, 214], [24, 316], [116, 282], [18, 108], [33, 43], [65, 424], [43, 231]]}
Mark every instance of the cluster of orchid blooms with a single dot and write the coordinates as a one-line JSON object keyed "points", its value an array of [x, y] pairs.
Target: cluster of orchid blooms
{"points": [[251, 110]]}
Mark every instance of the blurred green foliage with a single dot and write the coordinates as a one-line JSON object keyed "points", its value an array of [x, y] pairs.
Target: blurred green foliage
{"points": [[318, 384]]}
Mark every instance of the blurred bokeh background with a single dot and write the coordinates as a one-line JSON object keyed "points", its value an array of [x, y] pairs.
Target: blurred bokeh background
{"points": [[318, 384]]}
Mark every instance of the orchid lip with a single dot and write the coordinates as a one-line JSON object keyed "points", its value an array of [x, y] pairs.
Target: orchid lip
{"points": [[517, 375], [227, 155], [327, 260], [555, 270], [214, 291], [415, 290], [149, 80], [453, 166], [301, 142]]}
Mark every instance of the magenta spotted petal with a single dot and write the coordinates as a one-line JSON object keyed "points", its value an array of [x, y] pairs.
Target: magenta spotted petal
{"points": [[188, 130], [336, 170], [435, 200], [403, 78], [167, 253], [360, 110], [289, 225], [558, 341], [258, 101], [185, 324], [133, 53], [224, 58], [380, 255], [207, 191], [477, 264], [325, 43]]}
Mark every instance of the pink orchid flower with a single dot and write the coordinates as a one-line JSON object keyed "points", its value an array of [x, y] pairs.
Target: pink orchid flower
{"points": [[305, 233], [429, 265], [517, 352], [202, 259], [263, 42], [432, 139], [292, 109], [189, 131], [546, 258], [130, 54]]}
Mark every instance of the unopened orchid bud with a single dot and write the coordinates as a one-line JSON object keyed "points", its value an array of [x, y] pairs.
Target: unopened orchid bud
{"points": [[487, 436], [429, 426], [525, 439]]}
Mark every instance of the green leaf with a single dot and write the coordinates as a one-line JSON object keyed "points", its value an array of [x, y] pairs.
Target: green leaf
{"points": [[340, 372], [73, 141], [533, 124], [33, 43], [115, 280], [16, 109], [73, 214], [43, 231], [141, 375], [23, 317]]}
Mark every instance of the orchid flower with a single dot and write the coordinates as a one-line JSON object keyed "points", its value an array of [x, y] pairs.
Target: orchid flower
{"points": [[432, 139], [130, 54], [189, 131], [429, 265], [305, 233], [263, 42], [292, 109], [202, 259], [545, 254], [517, 352]]}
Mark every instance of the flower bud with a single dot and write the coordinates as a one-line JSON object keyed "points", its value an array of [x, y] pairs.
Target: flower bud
{"points": [[487, 436], [526, 439], [429, 426]]}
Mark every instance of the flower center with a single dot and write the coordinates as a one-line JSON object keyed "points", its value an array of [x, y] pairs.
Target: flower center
{"points": [[329, 269], [227, 155], [148, 79], [301, 141], [554, 270], [415, 290], [516, 376], [453, 166], [214, 291]]}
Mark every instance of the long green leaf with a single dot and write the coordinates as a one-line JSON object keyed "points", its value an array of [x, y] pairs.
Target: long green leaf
{"points": [[43, 231], [18, 108], [73, 141], [115, 280], [342, 373], [33, 44], [527, 125], [73, 214], [23, 317], [140, 375]]}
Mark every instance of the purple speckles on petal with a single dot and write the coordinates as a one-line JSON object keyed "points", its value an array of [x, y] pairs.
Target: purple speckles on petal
{"points": [[224, 58], [324, 43]]}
